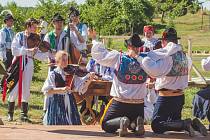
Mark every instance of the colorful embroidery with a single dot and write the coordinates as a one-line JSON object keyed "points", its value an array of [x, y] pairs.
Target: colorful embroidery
{"points": [[180, 65], [130, 71]]}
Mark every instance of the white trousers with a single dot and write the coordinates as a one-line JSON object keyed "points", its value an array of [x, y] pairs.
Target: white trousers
{"points": [[26, 83]]}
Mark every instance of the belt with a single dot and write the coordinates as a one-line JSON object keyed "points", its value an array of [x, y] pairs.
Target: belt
{"points": [[169, 92], [129, 101]]}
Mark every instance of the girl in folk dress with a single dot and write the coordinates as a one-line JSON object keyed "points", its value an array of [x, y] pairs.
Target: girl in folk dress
{"points": [[62, 108]]}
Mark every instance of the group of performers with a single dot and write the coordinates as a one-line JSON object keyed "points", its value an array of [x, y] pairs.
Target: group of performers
{"points": [[148, 80]]}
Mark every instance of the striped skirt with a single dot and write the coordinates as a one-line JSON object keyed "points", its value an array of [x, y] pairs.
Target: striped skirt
{"points": [[62, 110]]}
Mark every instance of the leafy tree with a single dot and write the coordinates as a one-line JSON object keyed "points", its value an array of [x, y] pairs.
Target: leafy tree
{"points": [[174, 8]]}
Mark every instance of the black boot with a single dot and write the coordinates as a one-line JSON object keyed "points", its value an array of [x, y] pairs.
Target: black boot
{"points": [[124, 124], [24, 112], [139, 126], [179, 126], [198, 126], [11, 107]]}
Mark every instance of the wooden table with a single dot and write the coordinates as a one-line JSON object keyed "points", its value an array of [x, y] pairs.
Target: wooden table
{"points": [[96, 88]]}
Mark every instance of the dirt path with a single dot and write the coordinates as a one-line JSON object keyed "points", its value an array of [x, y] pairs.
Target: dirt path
{"points": [[40, 132]]}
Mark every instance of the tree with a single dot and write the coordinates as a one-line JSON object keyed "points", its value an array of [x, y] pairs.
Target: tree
{"points": [[173, 8], [117, 16]]}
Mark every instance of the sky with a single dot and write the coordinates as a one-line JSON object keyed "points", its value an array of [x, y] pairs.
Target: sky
{"points": [[29, 3]]}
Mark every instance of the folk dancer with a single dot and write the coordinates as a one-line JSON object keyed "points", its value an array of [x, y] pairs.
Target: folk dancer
{"points": [[170, 66], [24, 56], [6, 37], [126, 109], [201, 101]]}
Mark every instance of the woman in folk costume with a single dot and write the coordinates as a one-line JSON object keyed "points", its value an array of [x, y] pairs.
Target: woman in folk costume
{"points": [[170, 66], [126, 109], [149, 39], [201, 101], [6, 37], [23, 55], [62, 108]]}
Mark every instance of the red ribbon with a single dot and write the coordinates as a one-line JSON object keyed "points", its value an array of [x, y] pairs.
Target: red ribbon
{"points": [[4, 90], [20, 81]]}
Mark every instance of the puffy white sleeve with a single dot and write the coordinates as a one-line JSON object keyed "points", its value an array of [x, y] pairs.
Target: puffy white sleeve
{"points": [[157, 68], [41, 56], [205, 63], [17, 48], [49, 83], [103, 56], [81, 84]]}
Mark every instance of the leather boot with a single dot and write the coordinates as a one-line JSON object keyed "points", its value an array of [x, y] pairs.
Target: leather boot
{"points": [[124, 124], [198, 126], [179, 126], [139, 127], [24, 113], [11, 108]]}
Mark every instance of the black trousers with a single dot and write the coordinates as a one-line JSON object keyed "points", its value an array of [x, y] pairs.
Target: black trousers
{"points": [[166, 109], [118, 109], [8, 62]]}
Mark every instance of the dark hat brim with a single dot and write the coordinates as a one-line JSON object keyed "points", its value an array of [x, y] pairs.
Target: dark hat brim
{"points": [[138, 44]]}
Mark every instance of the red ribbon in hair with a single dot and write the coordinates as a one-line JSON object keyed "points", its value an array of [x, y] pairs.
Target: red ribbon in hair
{"points": [[20, 81]]}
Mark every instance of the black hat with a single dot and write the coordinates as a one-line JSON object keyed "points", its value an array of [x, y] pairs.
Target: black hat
{"points": [[73, 12], [57, 17], [7, 17], [134, 41], [170, 34]]}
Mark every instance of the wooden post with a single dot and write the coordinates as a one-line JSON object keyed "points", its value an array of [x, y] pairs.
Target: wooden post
{"points": [[190, 55]]}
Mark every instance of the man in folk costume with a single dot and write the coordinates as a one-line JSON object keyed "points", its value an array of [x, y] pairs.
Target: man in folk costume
{"points": [[57, 41], [23, 57], [78, 30], [201, 101], [170, 66], [126, 109], [149, 38], [6, 37]]}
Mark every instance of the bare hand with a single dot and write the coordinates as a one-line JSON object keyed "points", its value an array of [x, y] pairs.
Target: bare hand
{"points": [[92, 75], [67, 88], [33, 50], [72, 27]]}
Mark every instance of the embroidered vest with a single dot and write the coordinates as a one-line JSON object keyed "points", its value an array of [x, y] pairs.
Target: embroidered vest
{"points": [[8, 35], [180, 65], [130, 71], [53, 41]]}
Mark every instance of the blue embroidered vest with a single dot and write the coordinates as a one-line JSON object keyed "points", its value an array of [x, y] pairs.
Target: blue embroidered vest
{"points": [[180, 65], [130, 71], [8, 37]]}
